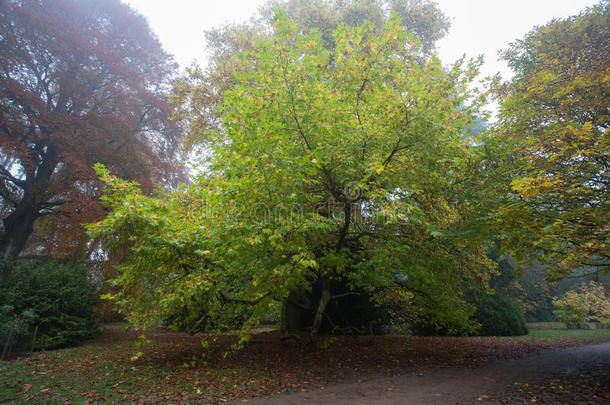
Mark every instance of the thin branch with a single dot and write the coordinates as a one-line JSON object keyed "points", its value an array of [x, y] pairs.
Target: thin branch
{"points": [[332, 297], [358, 98], [294, 111]]}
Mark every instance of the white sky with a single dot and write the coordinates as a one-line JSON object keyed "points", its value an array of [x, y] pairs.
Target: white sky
{"points": [[478, 26]]}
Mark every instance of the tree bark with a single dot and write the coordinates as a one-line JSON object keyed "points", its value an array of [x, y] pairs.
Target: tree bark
{"points": [[321, 309], [19, 225]]}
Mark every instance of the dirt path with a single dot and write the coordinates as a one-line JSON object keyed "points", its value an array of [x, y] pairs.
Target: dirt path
{"points": [[461, 385]]}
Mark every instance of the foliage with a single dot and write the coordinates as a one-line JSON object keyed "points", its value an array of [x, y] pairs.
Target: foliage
{"points": [[571, 310], [529, 287], [526, 285], [82, 81], [441, 318], [46, 303], [422, 18], [533, 292], [554, 118], [591, 303], [199, 96], [497, 314], [16, 329], [331, 165]]}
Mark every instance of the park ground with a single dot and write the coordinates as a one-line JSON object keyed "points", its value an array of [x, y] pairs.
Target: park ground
{"points": [[172, 368]]}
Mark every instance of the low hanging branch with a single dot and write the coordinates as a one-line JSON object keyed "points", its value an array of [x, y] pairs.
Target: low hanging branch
{"points": [[228, 300]]}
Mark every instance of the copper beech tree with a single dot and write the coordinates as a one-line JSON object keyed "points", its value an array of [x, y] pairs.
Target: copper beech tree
{"points": [[81, 82]]}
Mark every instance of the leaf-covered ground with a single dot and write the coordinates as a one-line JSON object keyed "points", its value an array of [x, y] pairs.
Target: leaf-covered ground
{"points": [[584, 384], [584, 389], [172, 367]]}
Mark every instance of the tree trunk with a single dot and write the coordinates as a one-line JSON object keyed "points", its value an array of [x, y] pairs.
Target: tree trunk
{"points": [[321, 309], [18, 227], [352, 311]]}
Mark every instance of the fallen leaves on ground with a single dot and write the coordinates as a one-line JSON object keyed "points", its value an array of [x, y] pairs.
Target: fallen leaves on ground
{"points": [[175, 367], [586, 387]]}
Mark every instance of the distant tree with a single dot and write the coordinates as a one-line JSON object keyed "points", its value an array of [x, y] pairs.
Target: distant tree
{"points": [[532, 291], [590, 303], [81, 81], [335, 173], [529, 287], [422, 18], [554, 117]]}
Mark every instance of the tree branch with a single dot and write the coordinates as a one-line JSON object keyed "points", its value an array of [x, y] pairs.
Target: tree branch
{"points": [[225, 300], [7, 175], [332, 297]]}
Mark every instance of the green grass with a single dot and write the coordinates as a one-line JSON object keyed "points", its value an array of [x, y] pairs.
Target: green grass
{"points": [[102, 372], [77, 375], [545, 325], [576, 334]]}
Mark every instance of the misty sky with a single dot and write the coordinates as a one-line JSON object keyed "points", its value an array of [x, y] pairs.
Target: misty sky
{"points": [[478, 26]]}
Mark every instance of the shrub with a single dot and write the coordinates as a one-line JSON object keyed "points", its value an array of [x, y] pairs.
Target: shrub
{"points": [[590, 303], [15, 327], [55, 302], [571, 310], [497, 314]]}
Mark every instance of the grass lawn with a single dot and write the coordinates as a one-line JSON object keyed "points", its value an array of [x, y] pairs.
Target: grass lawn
{"points": [[570, 334], [173, 368]]}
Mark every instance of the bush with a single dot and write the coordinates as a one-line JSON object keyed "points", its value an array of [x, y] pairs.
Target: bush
{"points": [[15, 328], [497, 314], [53, 303], [591, 303], [571, 310]]}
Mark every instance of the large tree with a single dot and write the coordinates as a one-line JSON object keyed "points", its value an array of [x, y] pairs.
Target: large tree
{"points": [[81, 81], [344, 171], [554, 118]]}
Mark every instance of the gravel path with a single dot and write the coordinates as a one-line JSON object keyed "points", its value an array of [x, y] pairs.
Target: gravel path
{"points": [[461, 385]]}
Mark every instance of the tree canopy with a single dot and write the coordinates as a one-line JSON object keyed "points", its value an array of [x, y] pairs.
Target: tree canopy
{"points": [[199, 97], [554, 119], [80, 82], [350, 164]]}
